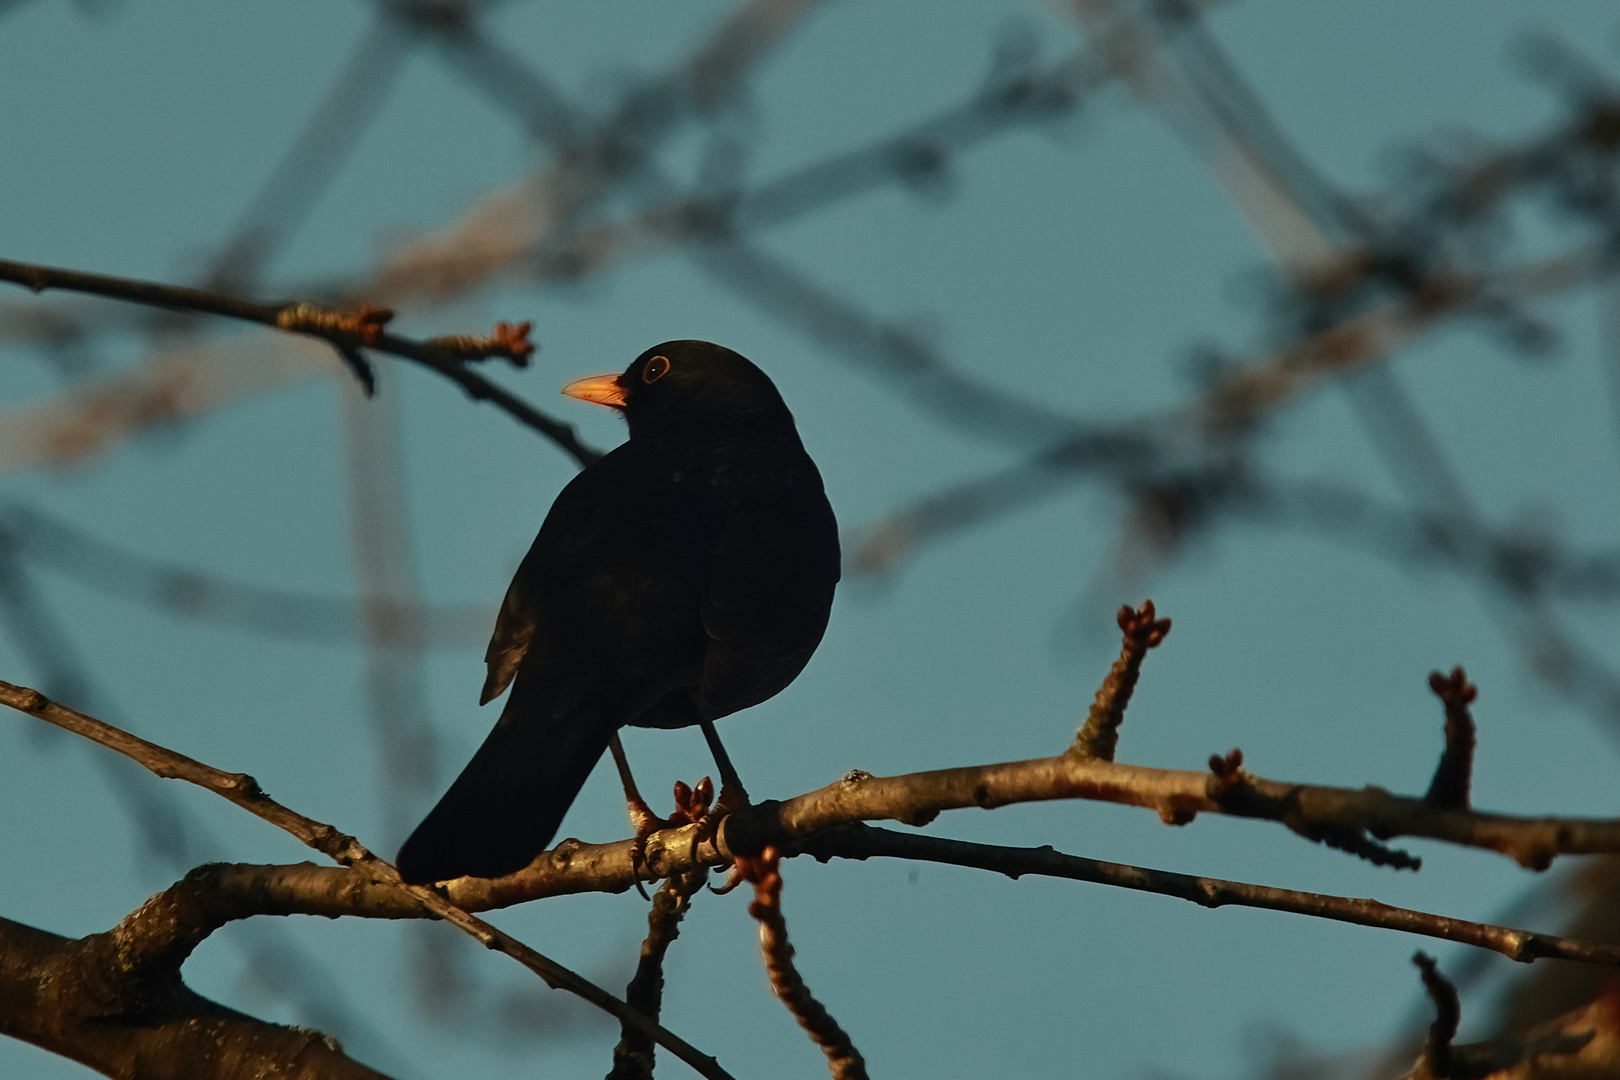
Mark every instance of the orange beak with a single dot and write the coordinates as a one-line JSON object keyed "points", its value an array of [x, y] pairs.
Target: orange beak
{"points": [[601, 389]]}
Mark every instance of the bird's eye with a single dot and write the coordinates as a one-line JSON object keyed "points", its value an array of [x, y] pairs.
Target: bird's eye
{"points": [[655, 369]]}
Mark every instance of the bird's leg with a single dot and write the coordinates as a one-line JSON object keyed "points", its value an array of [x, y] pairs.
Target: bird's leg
{"points": [[691, 805], [642, 819], [733, 796]]}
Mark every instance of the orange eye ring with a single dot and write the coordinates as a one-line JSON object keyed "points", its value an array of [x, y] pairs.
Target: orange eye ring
{"points": [[656, 369]]}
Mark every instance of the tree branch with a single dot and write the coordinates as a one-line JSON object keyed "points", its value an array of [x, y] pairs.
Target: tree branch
{"points": [[1099, 736], [826, 823], [1452, 776], [915, 798], [244, 791], [90, 1001], [347, 331], [633, 1056], [1580, 1045], [214, 894], [843, 1060]]}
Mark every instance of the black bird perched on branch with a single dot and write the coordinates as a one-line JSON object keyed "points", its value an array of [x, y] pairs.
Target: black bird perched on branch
{"points": [[686, 575]]}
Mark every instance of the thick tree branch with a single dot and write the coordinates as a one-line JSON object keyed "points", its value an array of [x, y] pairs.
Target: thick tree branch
{"points": [[1177, 795], [242, 890], [92, 1001], [165, 935], [348, 331], [915, 798]]}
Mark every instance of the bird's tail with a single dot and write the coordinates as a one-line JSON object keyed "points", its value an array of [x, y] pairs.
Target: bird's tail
{"points": [[509, 801]]}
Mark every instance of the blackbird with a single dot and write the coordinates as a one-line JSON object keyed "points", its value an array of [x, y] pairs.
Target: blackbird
{"points": [[686, 575]]}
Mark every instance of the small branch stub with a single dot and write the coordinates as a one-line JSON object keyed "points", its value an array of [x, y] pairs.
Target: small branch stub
{"points": [[1234, 790], [361, 326], [1098, 737], [1449, 788], [508, 341]]}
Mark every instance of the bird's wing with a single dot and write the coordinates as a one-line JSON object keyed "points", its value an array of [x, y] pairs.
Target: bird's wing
{"points": [[514, 629], [572, 523]]}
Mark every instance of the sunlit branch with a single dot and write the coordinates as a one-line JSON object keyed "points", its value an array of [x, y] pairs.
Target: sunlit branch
{"points": [[118, 1012], [174, 939], [242, 891], [765, 874], [176, 840]]}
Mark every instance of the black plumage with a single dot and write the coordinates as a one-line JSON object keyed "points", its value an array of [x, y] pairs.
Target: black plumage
{"points": [[686, 575]]}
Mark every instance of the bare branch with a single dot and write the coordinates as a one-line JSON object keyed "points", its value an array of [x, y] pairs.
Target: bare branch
{"points": [[1581, 1045], [346, 330], [633, 1056], [89, 1001], [843, 1060], [1436, 1059], [244, 791], [241, 891], [175, 839], [1177, 795], [1099, 735], [1525, 946], [1452, 776]]}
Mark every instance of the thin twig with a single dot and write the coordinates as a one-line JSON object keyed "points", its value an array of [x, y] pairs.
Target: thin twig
{"points": [[1525, 946], [1436, 1060], [1452, 776], [167, 834], [244, 791], [633, 1056], [765, 873], [1099, 736], [348, 331]]}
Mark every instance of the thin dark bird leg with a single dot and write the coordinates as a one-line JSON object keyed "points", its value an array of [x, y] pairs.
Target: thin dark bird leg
{"points": [[641, 815], [642, 819], [733, 796]]}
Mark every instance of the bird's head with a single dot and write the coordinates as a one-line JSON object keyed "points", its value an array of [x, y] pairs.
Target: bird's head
{"points": [[688, 388]]}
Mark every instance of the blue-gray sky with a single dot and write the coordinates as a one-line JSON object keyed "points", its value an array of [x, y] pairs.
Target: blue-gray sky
{"points": [[1079, 263]]}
